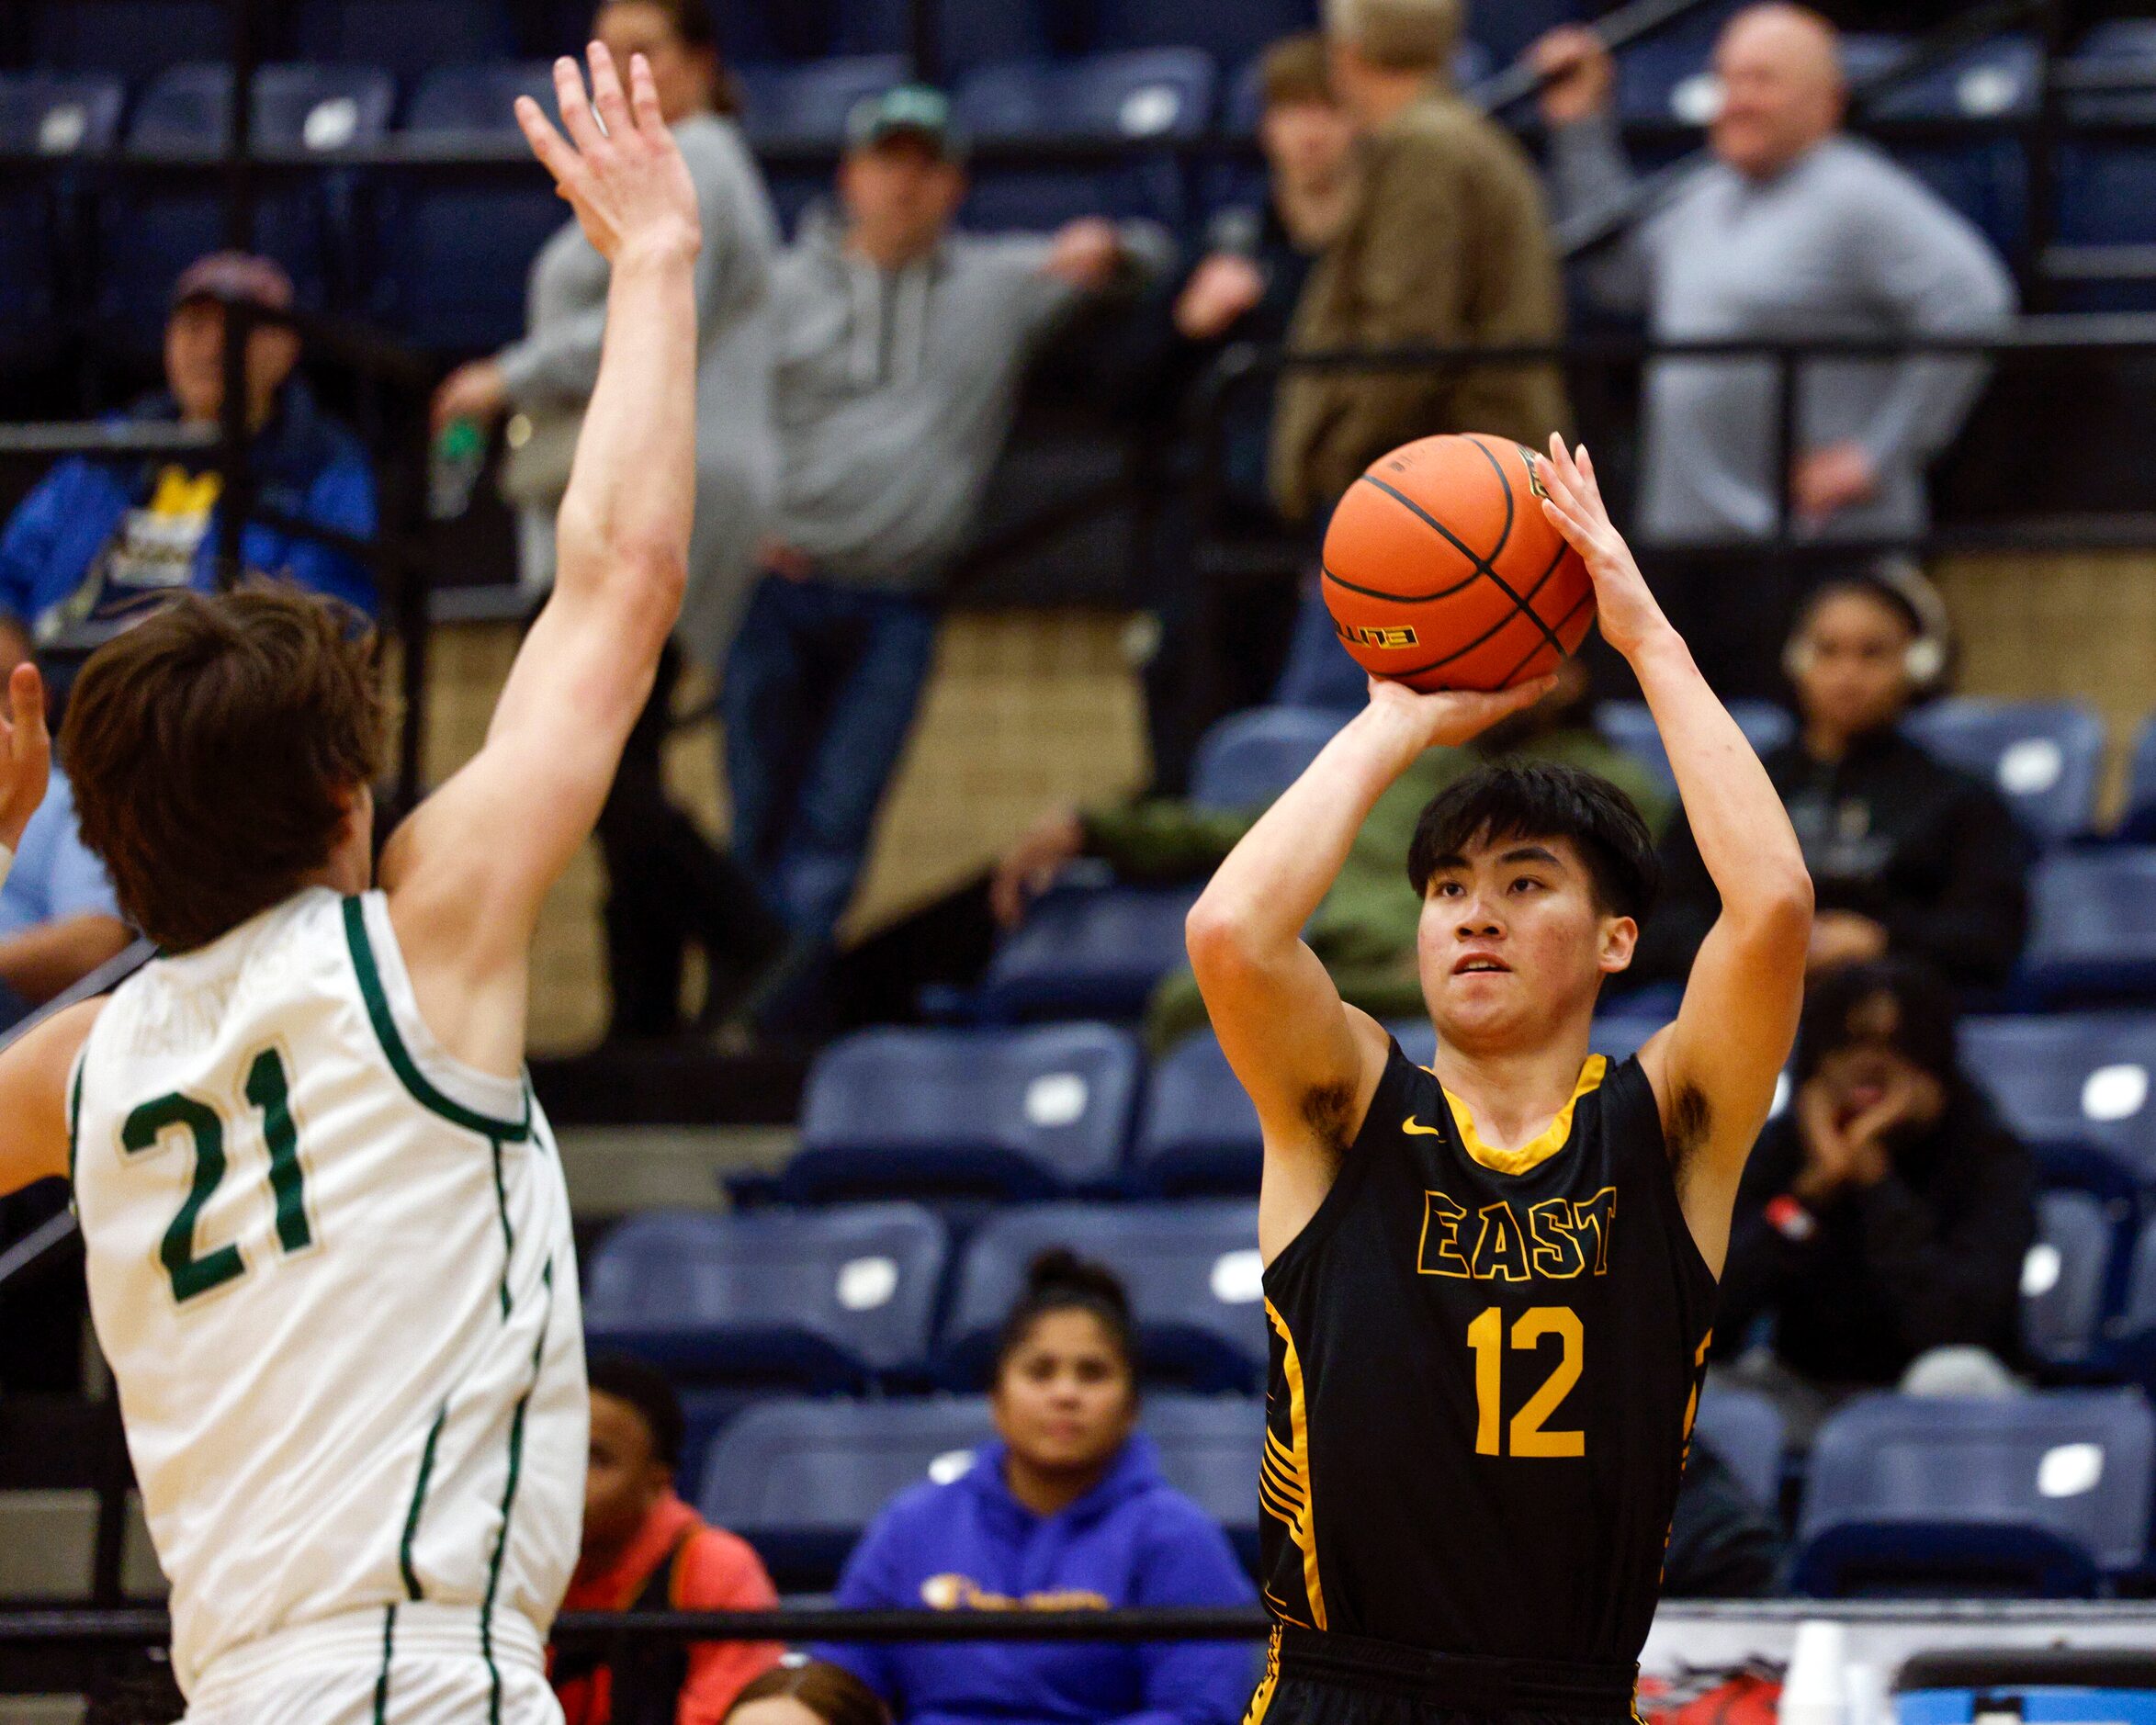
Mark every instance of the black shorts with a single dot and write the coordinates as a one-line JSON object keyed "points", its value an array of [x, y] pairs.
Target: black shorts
{"points": [[1314, 1677]]}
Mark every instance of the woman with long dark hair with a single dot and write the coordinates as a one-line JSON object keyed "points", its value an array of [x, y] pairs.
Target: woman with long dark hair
{"points": [[1066, 1510]]}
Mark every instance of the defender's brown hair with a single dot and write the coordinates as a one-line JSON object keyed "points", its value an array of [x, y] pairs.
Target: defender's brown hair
{"points": [[213, 747]]}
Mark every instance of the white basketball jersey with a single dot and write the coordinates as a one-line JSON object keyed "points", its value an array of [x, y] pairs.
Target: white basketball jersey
{"points": [[333, 1271]]}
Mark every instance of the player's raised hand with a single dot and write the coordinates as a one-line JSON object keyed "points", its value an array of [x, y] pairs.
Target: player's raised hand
{"points": [[1627, 611], [25, 753], [1451, 717], [619, 168]]}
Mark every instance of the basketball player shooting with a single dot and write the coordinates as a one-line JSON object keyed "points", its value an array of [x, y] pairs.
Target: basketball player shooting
{"points": [[1490, 1281], [328, 1240]]}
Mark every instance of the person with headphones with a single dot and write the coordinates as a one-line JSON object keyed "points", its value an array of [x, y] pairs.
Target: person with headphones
{"points": [[1910, 858]]}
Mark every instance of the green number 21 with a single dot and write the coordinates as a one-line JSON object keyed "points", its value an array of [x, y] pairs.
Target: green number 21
{"points": [[268, 1091]]}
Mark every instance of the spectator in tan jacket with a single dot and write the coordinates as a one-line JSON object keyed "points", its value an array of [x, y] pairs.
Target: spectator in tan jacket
{"points": [[1449, 243]]}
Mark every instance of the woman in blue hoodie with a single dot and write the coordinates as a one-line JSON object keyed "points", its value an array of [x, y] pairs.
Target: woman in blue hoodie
{"points": [[1066, 1511]]}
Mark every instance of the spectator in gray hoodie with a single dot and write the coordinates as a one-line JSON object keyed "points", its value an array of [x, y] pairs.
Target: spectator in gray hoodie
{"points": [[668, 887], [901, 346]]}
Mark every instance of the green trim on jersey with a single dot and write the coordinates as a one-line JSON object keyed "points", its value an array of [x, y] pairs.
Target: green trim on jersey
{"points": [[74, 1114], [524, 1403], [508, 1232], [393, 1049], [419, 1498], [381, 1682]]}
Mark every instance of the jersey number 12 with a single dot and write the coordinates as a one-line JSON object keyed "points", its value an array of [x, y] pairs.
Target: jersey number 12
{"points": [[269, 1092], [1486, 1336]]}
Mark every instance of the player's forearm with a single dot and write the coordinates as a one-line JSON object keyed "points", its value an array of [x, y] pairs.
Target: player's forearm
{"points": [[45, 960], [1262, 895], [1737, 821], [632, 491]]}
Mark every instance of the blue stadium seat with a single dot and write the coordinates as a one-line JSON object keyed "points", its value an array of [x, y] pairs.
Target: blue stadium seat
{"points": [[2044, 757], [1087, 951], [1869, 54], [2112, 72], [2135, 1347], [2092, 927], [1191, 1267], [62, 116], [973, 32], [148, 235], [2137, 826], [1150, 95], [1318, 671], [1745, 1430], [2000, 79], [458, 251], [816, 1300], [409, 37], [2047, 1494], [807, 105], [1227, 29], [2083, 1078], [2066, 1280], [1667, 81], [59, 114], [1985, 179], [801, 1479], [1198, 1132], [1631, 726], [136, 40], [1250, 758], [1032, 1113]]}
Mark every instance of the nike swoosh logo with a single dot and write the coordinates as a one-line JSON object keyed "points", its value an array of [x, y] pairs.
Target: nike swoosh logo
{"points": [[1415, 1126]]}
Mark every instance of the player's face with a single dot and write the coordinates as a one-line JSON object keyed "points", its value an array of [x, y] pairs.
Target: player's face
{"points": [[622, 1478], [1512, 941], [1852, 676], [1064, 1400]]}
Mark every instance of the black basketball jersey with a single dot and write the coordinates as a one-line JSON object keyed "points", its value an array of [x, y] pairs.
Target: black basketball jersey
{"points": [[1483, 1371]]}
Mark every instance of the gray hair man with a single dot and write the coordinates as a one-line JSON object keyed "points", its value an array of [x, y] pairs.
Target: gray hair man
{"points": [[1793, 229]]}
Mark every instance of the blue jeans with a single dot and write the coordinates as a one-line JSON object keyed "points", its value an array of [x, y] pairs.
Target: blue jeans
{"points": [[821, 686]]}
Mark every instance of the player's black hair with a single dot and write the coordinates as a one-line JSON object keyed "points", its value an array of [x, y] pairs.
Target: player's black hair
{"points": [[1533, 799], [646, 1388], [1862, 584], [1060, 1281], [1922, 1029]]}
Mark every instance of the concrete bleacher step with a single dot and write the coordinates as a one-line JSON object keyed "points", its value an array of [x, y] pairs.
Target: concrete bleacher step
{"points": [[42, 1709], [48, 1543]]}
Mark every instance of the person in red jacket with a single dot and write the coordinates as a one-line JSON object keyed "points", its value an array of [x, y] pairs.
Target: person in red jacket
{"points": [[645, 1550]]}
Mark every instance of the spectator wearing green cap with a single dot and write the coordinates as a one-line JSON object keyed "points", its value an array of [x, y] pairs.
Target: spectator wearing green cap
{"points": [[901, 346]]}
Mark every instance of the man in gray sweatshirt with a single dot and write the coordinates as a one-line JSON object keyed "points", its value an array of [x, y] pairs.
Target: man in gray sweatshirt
{"points": [[900, 348], [1793, 229]]}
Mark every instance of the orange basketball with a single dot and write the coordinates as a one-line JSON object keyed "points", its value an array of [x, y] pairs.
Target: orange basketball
{"points": [[1441, 571]]}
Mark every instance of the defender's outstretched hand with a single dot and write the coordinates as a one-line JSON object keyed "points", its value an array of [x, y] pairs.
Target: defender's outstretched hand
{"points": [[1627, 611], [25, 754], [1452, 716], [622, 174]]}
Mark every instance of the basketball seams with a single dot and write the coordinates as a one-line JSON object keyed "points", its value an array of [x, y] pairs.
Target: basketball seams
{"points": [[1402, 599], [1521, 599]]}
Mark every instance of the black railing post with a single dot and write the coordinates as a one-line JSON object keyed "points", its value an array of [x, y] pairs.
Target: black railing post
{"points": [[239, 209], [2041, 146], [1785, 441], [410, 600], [924, 41], [236, 492]]}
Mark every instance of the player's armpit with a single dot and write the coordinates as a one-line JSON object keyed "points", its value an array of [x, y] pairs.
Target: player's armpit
{"points": [[1714, 1071], [35, 1071]]}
